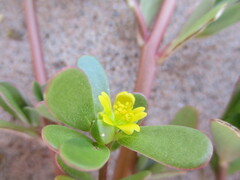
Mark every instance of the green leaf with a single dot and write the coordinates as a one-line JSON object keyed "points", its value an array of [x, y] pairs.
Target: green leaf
{"points": [[44, 112], [12, 101], [10, 126], [230, 16], [195, 28], [233, 106], [73, 172], [144, 163], [140, 101], [63, 178], [102, 132], [32, 115], [97, 78], [234, 166], [173, 146], [83, 154], [138, 176], [69, 97], [150, 9], [203, 7], [56, 135], [226, 140], [37, 91], [186, 116]]}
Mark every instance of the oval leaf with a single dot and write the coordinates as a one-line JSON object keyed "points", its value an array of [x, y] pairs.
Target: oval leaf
{"points": [[56, 135], [69, 97], [96, 76], [186, 116], [226, 140], [173, 146], [42, 110], [73, 172], [83, 154]]}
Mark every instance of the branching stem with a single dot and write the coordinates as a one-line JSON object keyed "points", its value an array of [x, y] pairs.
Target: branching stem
{"points": [[146, 73]]}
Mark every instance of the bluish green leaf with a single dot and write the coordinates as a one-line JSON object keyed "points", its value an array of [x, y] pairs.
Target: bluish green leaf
{"points": [[96, 76], [69, 97], [73, 172], [56, 135], [173, 146], [83, 154]]}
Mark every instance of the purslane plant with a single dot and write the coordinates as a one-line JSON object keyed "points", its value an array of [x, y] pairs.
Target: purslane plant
{"points": [[79, 98]]}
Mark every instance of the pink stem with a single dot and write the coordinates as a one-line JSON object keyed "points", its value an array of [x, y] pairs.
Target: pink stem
{"points": [[146, 73], [35, 43], [140, 19], [161, 24], [37, 55]]}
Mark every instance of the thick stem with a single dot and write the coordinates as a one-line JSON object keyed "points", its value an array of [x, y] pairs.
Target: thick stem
{"points": [[103, 172], [37, 54], [222, 171], [146, 73]]}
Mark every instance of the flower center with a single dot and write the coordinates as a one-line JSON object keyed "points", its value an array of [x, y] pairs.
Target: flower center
{"points": [[123, 112]]}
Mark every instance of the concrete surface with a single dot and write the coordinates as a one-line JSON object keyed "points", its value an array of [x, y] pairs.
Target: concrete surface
{"points": [[202, 73]]}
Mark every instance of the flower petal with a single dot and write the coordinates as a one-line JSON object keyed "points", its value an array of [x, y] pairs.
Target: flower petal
{"points": [[106, 103], [106, 119], [139, 116], [129, 128], [125, 98]]}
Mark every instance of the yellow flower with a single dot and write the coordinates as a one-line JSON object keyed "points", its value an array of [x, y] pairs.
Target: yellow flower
{"points": [[122, 115]]}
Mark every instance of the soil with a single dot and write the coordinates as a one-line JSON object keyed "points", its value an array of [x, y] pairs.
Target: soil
{"points": [[202, 73]]}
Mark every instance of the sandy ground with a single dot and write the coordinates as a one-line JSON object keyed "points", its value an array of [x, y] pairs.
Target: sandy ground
{"points": [[202, 73]]}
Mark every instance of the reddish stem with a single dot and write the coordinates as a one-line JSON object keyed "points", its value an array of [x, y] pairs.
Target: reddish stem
{"points": [[146, 73], [139, 17], [37, 54], [35, 43]]}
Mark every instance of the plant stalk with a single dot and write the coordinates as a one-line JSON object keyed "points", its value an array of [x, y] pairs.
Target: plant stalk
{"points": [[103, 172], [37, 55], [222, 171], [126, 163]]}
